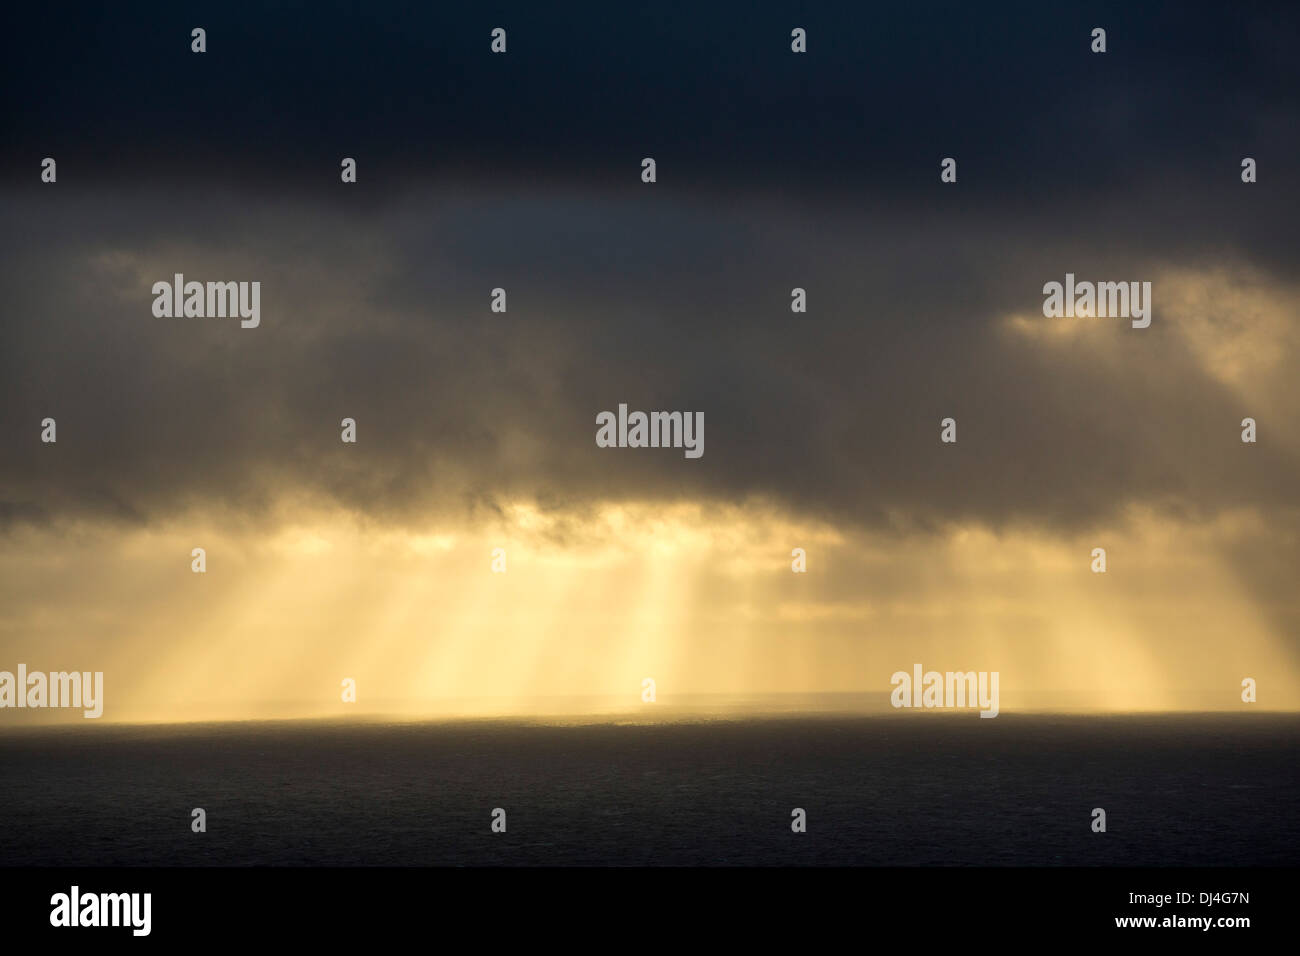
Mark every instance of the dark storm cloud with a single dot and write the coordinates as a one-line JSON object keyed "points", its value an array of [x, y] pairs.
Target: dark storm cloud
{"points": [[834, 413], [522, 171]]}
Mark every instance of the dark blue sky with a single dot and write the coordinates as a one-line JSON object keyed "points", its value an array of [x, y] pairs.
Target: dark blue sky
{"points": [[712, 91]]}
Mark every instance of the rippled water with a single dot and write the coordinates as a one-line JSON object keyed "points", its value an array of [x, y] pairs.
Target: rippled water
{"points": [[891, 789]]}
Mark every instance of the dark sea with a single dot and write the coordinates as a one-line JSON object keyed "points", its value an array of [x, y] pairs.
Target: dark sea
{"points": [[898, 789]]}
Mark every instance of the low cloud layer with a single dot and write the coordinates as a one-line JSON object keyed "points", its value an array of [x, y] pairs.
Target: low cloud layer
{"points": [[835, 413]]}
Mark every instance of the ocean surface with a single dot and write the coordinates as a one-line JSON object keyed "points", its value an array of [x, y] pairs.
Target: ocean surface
{"points": [[898, 789]]}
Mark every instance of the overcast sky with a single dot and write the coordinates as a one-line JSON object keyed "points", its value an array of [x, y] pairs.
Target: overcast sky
{"points": [[775, 170]]}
